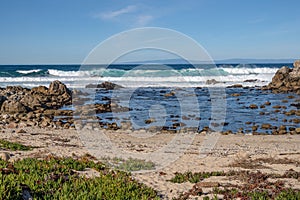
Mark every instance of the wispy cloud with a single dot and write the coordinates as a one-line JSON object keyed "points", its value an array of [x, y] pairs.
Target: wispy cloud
{"points": [[143, 20], [114, 14]]}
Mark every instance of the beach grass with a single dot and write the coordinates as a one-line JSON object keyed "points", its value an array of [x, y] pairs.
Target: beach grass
{"points": [[13, 146], [58, 178], [129, 165], [255, 185]]}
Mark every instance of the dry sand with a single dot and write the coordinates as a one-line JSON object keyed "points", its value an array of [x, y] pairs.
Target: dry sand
{"points": [[228, 149]]}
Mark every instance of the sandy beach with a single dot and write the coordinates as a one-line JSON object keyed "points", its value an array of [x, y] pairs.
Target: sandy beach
{"points": [[272, 154]]}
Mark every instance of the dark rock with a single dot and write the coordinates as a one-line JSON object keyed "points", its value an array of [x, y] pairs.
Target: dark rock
{"points": [[236, 95], [253, 106], [21, 131], [250, 80], [31, 102], [2, 99], [12, 106], [296, 120], [106, 85], [282, 127], [297, 105], [267, 103], [262, 113], [211, 82], [235, 86], [58, 88], [286, 80], [262, 106], [266, 126], [170, 94], [254, 128], [40, 89], [149, 121]]}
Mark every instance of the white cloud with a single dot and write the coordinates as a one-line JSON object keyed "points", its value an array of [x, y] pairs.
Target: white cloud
{"points": [[143, 20], [132, 15], [116, 13]]}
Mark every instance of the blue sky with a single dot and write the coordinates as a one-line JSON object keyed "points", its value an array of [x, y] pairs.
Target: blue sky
{"points": [[65, 31]]}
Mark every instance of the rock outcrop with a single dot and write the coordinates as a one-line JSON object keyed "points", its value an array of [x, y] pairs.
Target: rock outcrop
{"points": [[286, 80], [30, 107], [105, 85], [13, 106], [15, 99]]}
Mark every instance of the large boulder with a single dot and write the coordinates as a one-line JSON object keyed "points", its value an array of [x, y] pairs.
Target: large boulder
{"points": [[31, 101], [286, 79], [13, 106], [40, 89], [296, 70], [58, 88], [105, 85]]}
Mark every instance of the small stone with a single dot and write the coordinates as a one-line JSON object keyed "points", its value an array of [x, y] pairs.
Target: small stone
{"points": [[254, 128], [150, 120], [296, 121], [267, 103], [208, 184], [282, 132], [253, 106], [4, 156], [236, 95], [282, 127], [266, 126], [170, 94], [21, 131]]}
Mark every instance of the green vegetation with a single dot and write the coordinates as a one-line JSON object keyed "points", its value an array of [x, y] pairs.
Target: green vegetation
{"points": [[256, 185], [13, 146], [57, 178], [129, 165], [194, 177]]}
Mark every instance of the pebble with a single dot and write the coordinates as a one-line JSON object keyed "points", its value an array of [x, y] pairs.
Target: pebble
{"points": [[4, 156], [21, 131]]}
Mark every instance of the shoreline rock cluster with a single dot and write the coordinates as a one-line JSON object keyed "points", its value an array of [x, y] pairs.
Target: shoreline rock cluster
{"points": [[38, 107], [286, 80], [23, 107]]}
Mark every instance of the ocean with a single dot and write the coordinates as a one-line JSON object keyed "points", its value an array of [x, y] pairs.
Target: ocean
{"points": [[175, 96], [173, 75]]}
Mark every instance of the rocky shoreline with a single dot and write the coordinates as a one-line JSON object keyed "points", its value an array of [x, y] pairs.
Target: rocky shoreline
{"points": [[44, 107], [286, 80], [33, 117], [36, 107]]}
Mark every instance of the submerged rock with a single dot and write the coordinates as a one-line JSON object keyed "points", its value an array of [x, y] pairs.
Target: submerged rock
{"points": [[211, 82], [106, 85]]}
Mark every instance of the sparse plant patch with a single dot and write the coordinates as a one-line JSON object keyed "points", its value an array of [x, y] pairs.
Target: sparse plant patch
{"points": [[255, 186], [57, 178], [194, 177], [130, 164], [258, 162], [4, 144]]}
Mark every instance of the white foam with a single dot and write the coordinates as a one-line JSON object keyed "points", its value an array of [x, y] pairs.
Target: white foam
{"points": [[244, 70], [28, 71], [174, 81]]}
